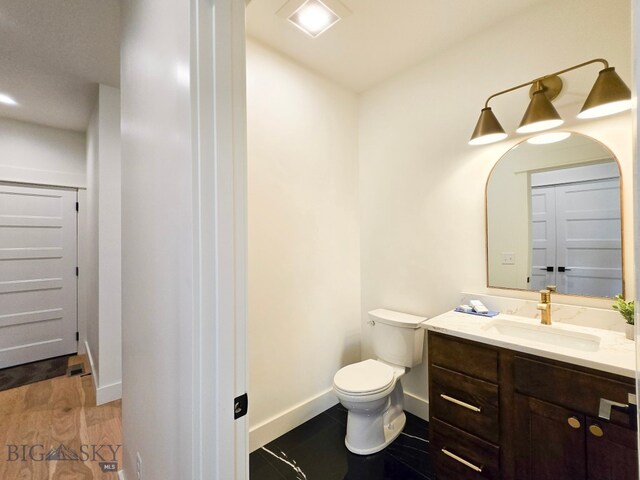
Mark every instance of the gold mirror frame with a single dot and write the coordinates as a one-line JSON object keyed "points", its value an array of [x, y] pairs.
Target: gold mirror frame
{"points": [[486, 215]]}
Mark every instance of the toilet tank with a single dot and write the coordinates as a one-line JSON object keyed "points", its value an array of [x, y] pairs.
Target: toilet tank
{"points": [[397, 337]]}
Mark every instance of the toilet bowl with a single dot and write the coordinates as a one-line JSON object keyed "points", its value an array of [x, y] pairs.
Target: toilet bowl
{"points": [[372, 394], [371, 390]]}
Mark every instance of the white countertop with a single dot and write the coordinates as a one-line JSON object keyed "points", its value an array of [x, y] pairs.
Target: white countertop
{"points": [[615, 354]]}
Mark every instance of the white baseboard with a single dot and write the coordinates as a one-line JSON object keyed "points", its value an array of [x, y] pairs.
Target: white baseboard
{"points": [[416, 405], [107, 393], [280, 424], [94, 372]]}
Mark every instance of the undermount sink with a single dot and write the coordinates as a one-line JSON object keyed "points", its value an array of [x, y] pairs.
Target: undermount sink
{"points": [[547, 334]]}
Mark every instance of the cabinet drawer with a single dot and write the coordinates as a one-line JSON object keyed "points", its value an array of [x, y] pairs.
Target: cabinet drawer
{"points": [[466, 403], [460, 455], [464, 357], [570, 388]]}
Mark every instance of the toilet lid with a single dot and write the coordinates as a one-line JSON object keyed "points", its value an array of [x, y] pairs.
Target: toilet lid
{"points": [[364, 377]]}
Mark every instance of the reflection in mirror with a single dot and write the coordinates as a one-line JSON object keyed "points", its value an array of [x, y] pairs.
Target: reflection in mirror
{"points": [[553, 218]]}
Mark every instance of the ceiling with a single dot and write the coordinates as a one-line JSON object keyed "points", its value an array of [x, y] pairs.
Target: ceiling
{"points": [[381, 37], [54, 53]]}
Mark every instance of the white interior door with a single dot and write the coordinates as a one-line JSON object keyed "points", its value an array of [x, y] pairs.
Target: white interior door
{"points": [[543, 237], [589, 250], [38, 283]]}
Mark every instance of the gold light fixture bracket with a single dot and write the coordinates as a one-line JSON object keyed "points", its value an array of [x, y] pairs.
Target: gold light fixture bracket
{"points": [[551, 86]]}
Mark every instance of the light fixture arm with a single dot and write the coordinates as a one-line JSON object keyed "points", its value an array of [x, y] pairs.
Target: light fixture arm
{"points": [[541, 79]]}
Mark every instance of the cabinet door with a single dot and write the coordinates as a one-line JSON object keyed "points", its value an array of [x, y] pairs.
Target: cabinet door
{"points": [[612, 451], [550, 441]]}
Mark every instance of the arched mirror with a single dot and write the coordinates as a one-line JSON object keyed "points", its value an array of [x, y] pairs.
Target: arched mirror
{"points": [[554, 217]]}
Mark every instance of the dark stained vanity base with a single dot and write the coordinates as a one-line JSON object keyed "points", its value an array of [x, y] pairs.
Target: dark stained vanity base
{"points": [[500, 414]]}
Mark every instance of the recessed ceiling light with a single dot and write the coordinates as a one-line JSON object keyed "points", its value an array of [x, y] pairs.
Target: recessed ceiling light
{"points": [[7, 100], [314, 17]]}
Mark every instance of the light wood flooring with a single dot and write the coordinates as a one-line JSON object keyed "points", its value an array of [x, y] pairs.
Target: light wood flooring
{"points": [[60, 411]]}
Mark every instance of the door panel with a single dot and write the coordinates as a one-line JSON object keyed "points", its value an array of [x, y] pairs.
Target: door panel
{"points": [[548, 447], [38, 283], [614, 454], [543, 237], [588, 245]]}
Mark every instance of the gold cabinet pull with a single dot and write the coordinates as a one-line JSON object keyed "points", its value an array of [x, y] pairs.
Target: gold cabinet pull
{"points": [[460, 402], [462, 460], [573, 422], [596, 430]]}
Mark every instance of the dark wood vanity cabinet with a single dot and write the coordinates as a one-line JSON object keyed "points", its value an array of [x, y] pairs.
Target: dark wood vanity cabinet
{"points": [[550, 441], [556, 443], [499, 414]]}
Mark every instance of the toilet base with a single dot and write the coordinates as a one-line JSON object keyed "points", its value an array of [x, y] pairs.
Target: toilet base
{"points": [[374, 421], [391, 431]]}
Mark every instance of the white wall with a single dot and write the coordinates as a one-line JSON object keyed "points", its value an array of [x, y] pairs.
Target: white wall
{"points": [[304, 282], [32, 153], [157, 240], [100, 269], [422, 186], [110, 253]]}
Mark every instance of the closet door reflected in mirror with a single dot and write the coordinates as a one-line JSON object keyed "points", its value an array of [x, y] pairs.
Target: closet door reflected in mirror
{"points": [[554, 218]]}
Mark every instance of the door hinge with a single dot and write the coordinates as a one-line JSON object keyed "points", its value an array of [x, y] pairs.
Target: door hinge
{"points": [[77, 336], [77, 207], [240, 406], [77, 271]]}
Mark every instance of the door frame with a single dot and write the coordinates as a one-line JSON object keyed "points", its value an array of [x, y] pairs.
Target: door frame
{"points": [[219, 339], [81, 247], [218, 86], [635, 49]]}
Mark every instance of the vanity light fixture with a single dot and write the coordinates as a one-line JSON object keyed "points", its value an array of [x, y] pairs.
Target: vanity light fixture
{"points": [[488, 129], [7, 100], [608, 95], [314, 17], [540, 115]]}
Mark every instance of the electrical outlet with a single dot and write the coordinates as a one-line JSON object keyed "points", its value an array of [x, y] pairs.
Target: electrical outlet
{"points": [[138, 466], [508, 258]]}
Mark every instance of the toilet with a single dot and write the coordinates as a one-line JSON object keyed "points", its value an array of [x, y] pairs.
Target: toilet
{"points": [[371, 390]]}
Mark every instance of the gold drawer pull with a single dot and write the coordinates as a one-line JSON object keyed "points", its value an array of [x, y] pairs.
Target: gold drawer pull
{"points": [[460, 402], [462, 460]]}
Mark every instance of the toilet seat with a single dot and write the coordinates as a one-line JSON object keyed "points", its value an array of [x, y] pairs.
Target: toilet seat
{"points": [[364, 378]]}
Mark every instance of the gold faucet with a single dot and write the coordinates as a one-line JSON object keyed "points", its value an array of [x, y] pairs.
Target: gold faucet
{"points": [[545, 304]]}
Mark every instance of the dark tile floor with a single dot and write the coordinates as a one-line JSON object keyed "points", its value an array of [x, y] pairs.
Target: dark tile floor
{"points": [[315, 451]]}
